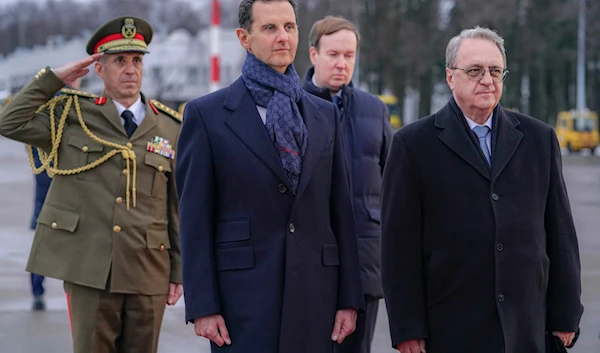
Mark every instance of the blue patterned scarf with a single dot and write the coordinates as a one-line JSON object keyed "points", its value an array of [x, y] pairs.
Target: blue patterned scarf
{"points": [[279, 93]]}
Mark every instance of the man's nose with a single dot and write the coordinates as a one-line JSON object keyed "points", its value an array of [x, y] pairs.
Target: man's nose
{"points": [[282, 35], [130, 68], [487, 78]]}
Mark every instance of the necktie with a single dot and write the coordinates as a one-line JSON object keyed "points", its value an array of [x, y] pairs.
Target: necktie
{"points": [[482, 132], [130, 125], [336, 100]]}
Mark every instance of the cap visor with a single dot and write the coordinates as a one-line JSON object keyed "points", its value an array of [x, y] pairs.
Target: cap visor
{"points": [[125, 50]]}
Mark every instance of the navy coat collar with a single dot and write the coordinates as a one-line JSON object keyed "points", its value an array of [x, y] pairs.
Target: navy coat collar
{"points": [[505, 138], [246, 124]]}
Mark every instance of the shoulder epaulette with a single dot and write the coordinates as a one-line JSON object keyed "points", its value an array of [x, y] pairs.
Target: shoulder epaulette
{"points": [[77, 93], [163, 108]]}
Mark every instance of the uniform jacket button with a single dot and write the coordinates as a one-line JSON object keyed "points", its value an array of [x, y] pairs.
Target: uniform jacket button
{"points": [[54, 225], [495, 197], [160, 168], [500, 247], [292, 228], [162, 247], [116, 229], [501, 298], [129, 145], [84, 148], [119, 200]]}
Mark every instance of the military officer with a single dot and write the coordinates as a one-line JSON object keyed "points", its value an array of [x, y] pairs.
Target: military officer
{"points": [[109, 227]]}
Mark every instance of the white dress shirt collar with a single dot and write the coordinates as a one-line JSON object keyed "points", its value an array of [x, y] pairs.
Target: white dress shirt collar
{"points": [[138, 108], [488, 123]]}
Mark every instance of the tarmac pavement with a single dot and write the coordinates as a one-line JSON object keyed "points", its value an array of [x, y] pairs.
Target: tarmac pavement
{"points": [[23, 331]]}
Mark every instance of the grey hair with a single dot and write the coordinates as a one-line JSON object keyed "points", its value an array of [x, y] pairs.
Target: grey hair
{"points": [[473, 33], [245, 12]]}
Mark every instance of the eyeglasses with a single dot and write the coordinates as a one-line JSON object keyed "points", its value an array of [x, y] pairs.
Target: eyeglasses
{"points": [[476, 73]]}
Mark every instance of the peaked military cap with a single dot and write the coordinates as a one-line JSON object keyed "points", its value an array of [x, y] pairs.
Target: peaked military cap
{"points": [[122, 34]]}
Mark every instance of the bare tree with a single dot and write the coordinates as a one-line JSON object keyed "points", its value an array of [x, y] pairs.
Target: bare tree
{"points": [[402, 43]]}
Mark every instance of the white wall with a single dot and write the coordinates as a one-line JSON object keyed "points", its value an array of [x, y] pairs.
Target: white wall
{"points": [[176, 69]]}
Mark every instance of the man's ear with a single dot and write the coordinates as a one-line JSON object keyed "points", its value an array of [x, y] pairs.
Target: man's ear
{"points": [[243, 37], [313, 52], [450, 78], [99, 67]]}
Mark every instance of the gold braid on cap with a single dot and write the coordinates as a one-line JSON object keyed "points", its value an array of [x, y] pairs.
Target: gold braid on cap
{"points": [[50, 161]]}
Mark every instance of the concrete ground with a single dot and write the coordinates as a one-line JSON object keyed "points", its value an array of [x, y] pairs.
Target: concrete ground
{"points": [[22, 331]]}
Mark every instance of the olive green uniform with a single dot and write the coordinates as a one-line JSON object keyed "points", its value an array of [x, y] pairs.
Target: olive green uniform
{"points": [[110, 232]]}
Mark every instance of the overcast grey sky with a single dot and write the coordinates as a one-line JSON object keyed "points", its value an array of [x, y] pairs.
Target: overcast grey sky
{"points": [[194, 2], [4, 2]]}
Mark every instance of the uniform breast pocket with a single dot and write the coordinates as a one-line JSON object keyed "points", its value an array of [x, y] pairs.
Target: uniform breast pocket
{"points": [[162, 170], [83, 151]]}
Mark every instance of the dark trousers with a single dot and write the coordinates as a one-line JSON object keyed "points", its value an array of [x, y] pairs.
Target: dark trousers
{"points": [[104, 322], [37, 285], [360, 341]]}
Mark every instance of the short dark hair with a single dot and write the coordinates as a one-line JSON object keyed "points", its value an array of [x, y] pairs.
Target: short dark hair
{"points": [[245, 12], [327, 26]]}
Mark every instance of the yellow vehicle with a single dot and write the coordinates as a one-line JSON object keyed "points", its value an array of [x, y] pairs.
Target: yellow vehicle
{"points": [[577, 130], [392, 104]]}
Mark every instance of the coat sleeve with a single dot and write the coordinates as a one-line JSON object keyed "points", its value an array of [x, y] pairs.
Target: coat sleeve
{"points": [[564, 308], [401, 248], [386, 138], [173, 214], [350, 294], [19, 121], [195, 185]]}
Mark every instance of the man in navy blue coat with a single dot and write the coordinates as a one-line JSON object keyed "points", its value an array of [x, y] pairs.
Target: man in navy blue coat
{"points": [[367, 133], [269, 250]]}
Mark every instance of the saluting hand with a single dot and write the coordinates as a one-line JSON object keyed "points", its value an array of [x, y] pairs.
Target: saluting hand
{"points": [[345, 324], [175, 292], [212, 327], [72, 71]]}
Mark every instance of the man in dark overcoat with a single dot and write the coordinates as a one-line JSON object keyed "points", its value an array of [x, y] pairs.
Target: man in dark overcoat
{"points": [[479, 251], [269, 250], [367, 134]]}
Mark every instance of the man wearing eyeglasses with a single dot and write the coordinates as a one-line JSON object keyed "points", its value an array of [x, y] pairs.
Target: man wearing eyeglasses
{"points": [[479, 250]]}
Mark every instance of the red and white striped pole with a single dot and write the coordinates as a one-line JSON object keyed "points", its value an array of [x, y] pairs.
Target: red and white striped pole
{"points": [[215, 79]]}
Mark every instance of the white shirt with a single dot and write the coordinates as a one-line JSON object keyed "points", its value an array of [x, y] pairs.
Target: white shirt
{"points": [[488, 123], [263, 113], [138, 109]]}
